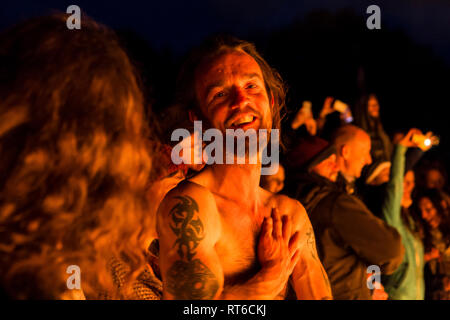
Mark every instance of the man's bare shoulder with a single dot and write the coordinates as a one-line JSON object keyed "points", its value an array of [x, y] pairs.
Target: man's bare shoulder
{"points": [[289, 205], [190, 187], [200, 194], [189, 195], [293, 208]]}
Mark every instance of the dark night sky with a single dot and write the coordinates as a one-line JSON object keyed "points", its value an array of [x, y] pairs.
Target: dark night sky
{"points": [[179, 24], [410, 63]]}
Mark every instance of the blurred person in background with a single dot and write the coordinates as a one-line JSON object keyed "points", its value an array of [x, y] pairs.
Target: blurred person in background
{"points": [[76, 165], [432, 175], [434, 179], [304, 117], [407, 282], [312, 160], [353, 146], [349, 236], [367, 117], [433, 218], [302, 125], [382, 191], [333, 115]]}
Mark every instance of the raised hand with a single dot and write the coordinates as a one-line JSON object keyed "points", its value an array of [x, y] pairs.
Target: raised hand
{"points": [[278, 253], [311, 126], [278, 250], [415, 138], [327, 107], [407, 140]]}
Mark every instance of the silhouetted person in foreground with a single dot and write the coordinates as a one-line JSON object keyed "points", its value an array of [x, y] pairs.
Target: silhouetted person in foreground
{"points": [[76, 164]]}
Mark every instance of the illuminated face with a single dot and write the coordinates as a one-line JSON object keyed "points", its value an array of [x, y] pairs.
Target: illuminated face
{"points": [[373, 108], [328, 168], [408, 183], [357, 155], [232, 94], [435, 180], [429, 212], [274, 183]]}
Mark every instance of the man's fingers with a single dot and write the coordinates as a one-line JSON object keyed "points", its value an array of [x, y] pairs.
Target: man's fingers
{"points": [[277, 224], [287, 228], [413, 131], [266, 230], [294, 242]]}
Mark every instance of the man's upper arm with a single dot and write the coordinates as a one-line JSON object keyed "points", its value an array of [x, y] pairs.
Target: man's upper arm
{"points": [[188, 228], [370, 237], [309, 278]]}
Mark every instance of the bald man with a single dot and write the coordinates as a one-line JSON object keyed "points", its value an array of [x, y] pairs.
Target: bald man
{"points": [[353, 154], [349, 237]]}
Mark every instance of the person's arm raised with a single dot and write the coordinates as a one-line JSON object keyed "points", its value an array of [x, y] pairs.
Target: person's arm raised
{"points": [[392, 202]]}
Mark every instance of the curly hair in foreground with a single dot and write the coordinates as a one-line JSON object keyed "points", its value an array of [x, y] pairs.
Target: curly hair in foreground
{"points": [[75, 159]]}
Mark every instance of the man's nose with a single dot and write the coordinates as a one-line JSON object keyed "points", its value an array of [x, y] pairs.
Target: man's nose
{"points": [[369, 159], [239, 98]]}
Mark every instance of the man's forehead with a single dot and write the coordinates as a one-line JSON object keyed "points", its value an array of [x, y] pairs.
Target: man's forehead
{"points": [[228, 63]]}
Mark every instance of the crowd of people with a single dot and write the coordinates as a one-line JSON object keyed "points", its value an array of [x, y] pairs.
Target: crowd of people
{"points": [[86, 181]]}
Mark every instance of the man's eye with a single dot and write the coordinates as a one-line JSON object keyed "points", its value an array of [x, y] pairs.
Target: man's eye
{"points": [[251, 86], [219, 94]]}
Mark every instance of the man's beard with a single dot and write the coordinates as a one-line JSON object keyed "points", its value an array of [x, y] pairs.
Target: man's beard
{"points": [[253, 149], [264, 125]]}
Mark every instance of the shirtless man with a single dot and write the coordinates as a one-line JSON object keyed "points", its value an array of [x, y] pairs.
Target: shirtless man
{"points": [[221, 235]]}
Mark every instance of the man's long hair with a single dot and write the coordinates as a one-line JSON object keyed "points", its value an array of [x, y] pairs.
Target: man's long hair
{"points": [[75, 158], [214, 47]]}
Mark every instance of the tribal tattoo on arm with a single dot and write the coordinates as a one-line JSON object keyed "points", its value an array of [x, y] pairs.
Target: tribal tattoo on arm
{"points": [[189, 278]]}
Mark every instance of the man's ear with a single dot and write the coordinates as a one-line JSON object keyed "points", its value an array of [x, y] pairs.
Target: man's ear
{"points": [[345, 151], [192, 116]]}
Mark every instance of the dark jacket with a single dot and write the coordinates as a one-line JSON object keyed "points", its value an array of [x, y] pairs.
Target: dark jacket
{"points": [[349, 237]]}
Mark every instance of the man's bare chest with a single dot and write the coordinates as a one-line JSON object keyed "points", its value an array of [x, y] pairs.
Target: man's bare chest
{"points": [[237, 245]]}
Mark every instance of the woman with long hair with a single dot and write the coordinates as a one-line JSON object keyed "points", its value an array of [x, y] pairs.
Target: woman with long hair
{"points": [[433, 218], [75, 164], [367, 116]]}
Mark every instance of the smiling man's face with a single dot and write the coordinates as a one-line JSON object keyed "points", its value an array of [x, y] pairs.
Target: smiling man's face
{"points": [[231, 92]]}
